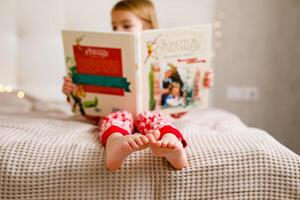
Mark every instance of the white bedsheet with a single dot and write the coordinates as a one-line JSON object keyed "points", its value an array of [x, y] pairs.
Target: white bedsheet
{"points": [[46, 154]]}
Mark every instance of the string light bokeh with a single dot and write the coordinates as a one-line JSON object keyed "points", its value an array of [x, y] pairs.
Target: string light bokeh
{"points": [[10, 89], [217, 29]]}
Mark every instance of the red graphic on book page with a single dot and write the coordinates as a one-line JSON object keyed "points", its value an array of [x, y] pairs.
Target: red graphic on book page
{"points": [[99, 61]]}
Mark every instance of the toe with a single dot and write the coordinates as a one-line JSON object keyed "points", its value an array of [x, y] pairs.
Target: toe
{"points": [[133, 144], [171, 145], [156, 134], [164, 144], [157, 144], [177, 146], [151, 138], [144, 139], [126, 146], [138, 141]]}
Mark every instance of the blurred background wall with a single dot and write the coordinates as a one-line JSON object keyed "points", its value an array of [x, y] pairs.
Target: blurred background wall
{"points": [[31, 56], [257, 66], [257, 52]]}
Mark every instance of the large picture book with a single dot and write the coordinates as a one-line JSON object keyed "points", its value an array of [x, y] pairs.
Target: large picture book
{"points": [[159, 69]]}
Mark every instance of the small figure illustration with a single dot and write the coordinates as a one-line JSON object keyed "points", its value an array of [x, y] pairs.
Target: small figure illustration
{"points": [[76, 96], [80, 93], [78, 40], [92, 104], [150, 45]]}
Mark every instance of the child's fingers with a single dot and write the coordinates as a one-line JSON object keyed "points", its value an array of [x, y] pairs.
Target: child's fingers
{"points": [[64, 90], [67, 90], [209, 80], [65, 87], [210, 71], [210, 76], [67, 78], [208, 85], [69, 82], [69, 85]]}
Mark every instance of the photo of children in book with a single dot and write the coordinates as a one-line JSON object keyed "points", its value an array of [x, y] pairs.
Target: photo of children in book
{"points": [[174, 85]]}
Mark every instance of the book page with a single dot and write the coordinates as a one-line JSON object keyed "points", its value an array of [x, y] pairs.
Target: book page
{"points": [[174, 65], [102, 65]]}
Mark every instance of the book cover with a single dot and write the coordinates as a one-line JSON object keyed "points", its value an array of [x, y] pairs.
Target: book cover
{"points": [[150, 70], [175, 62]]}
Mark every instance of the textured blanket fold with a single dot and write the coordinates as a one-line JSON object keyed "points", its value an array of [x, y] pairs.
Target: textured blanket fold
{"points": [[46, 158]]}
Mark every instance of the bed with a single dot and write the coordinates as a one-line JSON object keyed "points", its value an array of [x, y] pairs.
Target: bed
{"points": [[47, 154]]}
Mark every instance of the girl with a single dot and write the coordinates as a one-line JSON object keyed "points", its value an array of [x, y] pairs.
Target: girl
{"points": [[115, 130]]}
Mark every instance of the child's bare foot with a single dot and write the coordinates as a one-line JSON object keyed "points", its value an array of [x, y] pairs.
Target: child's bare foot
{"points": [[119, 147], [155, 133], [170, 148]]}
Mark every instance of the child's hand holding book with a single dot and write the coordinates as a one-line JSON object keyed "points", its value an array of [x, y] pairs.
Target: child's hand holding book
{"points": [[209, 78], [68, 86]]}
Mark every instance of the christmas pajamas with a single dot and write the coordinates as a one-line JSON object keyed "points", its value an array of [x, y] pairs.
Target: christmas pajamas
{"points": [[122, 122]]}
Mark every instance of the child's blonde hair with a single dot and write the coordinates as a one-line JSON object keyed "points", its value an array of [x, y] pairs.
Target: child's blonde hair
{"points": [[144, 9]]}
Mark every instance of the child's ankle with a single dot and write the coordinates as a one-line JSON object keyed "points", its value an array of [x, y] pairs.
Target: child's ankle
{"points": [[169, 136], [113, 136]]}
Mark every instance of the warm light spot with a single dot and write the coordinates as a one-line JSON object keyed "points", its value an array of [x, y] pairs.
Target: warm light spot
{"points": [[217, 24], [218, 44], [21, 94], [218, 34], [8, 89], [2, 89], [221, 15]]}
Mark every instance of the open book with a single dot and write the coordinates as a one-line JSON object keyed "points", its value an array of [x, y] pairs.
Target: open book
{"points": [[156, 69]]}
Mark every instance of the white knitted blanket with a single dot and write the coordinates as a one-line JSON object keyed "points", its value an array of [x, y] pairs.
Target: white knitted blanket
{"points": [[48, 158]]}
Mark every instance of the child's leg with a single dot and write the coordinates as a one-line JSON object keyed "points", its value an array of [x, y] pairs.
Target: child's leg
{"points": [[115, 133], [169, 143]]}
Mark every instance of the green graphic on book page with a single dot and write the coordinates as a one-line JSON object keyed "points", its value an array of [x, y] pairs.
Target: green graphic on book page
{"points": [[95, 70]]}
